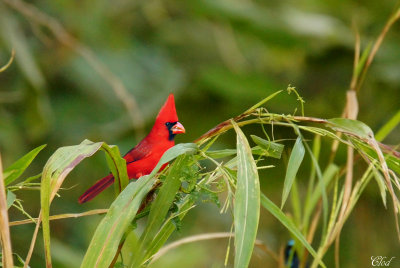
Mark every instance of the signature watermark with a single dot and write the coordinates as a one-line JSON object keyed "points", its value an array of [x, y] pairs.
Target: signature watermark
{"points": [[381, 260]]}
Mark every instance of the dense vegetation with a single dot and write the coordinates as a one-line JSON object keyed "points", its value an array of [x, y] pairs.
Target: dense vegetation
{"points": [[274, 172]]}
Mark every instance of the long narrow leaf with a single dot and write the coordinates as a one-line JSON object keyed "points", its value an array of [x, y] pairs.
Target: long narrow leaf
{"points": [[327, 176], [388, 127], [296, 157], [108, 234], [255, 106], [168, 228], [117, 167], [272, 149], [313, 171], [277, 213], [111, 229], [361, 63], [10, 198], [56, 169], [381, 185], [18, 167], [161, 205], [352, 127], [392, 161], [247, 201]]}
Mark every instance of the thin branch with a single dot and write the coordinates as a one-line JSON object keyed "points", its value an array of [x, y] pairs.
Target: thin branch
{"points": [[208, 236], [7, 259], [311, 232], [10, 61], [348, 183], [377, 45], [114, 261], [337, 252], [33, 241], [357, 46], [62, 216], [351, 113]]}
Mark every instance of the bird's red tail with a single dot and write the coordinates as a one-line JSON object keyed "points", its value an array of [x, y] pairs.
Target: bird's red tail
{"points": [[97, 188]]}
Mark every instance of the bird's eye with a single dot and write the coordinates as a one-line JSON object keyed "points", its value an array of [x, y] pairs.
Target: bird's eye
{"points": [[168, 124]]}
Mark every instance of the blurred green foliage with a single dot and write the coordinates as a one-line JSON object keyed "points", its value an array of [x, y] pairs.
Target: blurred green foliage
{"points": [[219, 57]]}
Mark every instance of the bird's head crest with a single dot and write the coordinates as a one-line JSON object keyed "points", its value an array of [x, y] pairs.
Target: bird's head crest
{"points": [[167, 112]]}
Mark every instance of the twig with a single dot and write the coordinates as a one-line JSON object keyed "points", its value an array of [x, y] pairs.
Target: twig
{"points": [[62, 216], [4, 227], [311, 232], [351, 113], [377, 45], [34, 15], [208, 236], [337, 256], [2, 69], [114, 261], [33, 241], [357, 45]]}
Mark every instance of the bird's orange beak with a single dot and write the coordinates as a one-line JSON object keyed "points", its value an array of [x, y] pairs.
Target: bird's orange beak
{"points": [[178, 128]]}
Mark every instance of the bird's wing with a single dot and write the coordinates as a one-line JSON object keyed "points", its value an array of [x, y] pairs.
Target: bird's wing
{"points": [[140, 151], [143, 166]]}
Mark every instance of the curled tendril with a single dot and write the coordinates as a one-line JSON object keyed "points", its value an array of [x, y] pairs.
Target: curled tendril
{"points": [[10, 61]]}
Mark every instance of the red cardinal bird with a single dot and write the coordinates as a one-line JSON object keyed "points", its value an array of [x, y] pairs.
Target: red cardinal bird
{"points": [[142, 159]]}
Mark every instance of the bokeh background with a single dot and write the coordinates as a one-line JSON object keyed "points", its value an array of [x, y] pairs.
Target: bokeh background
{"points": [[218, 57]]}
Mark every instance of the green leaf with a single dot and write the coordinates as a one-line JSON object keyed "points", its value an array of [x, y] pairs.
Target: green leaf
{"points": [[130, 246], [54, 172], [392, 161], [10, 198], [363, 59], [169, 226], [296, 157], [19, 261], [111, 229], [272, 149], [247, 201], [296, 204], [322, 187], [328, 175], [388, 127], [30, 179], [288, 223], [117, 165], [381, 185], [263, 101], [160, 206], [352, 127], [14, 171], [216, 154], [310, 189]]}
